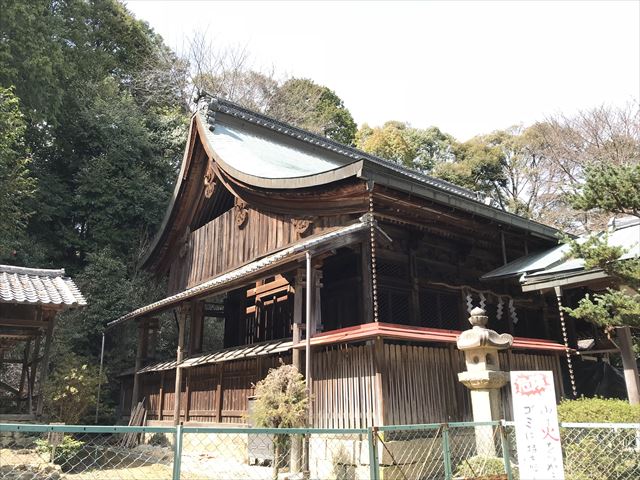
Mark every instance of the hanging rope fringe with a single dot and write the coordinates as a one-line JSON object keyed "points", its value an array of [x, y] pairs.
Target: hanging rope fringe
{"points": [[512, 312], [500, 308], [469, 302]]}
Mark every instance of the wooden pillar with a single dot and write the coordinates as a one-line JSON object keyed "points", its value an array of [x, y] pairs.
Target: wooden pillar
{"points": [[141, 354], [629, 364], [317, 307], [161, 395], [187, 396], [196, 327], [219, 393], [297, 318], [44, 368], [298, 326], [367, 281], [31, 372], [23, 374], [414, 310], [179, 357], [154, 327]]}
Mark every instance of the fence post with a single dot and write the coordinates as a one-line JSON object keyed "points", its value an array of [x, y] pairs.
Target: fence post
{"points": [[374, 472], [446, 452], [177, 452], [506, 451]]}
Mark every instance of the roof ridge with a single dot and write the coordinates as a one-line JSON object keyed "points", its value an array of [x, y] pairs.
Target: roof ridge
{"points": [[41, 272], [221, 105]]}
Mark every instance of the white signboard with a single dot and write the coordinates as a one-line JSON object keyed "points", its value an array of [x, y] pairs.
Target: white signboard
{"points": [[537, 431]]}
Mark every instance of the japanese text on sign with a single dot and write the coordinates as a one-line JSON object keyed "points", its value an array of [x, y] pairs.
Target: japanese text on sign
{"points": [[536, 420]]}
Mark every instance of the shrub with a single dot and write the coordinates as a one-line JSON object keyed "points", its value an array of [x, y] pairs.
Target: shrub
{"points": [[598, 410], [281, 402], [481, 467], [599, 453], [159, 440], [603, 458], [71, 390], [64, 453]]}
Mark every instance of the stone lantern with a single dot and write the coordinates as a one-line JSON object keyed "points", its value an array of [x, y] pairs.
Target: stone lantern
{"points": [[483, 376]]}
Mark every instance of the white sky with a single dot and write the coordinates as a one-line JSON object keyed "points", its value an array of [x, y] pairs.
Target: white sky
{"points": [[466, 67]]}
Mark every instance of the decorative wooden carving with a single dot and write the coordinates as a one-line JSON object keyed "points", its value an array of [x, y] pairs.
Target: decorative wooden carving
{"points": [[209, 180], [241, 212], [184, 242], [302, 225]]}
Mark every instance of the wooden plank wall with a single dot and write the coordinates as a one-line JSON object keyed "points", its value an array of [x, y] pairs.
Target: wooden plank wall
{"points": [[221, 245], [210, 393], [421, 385], [344, 387]]}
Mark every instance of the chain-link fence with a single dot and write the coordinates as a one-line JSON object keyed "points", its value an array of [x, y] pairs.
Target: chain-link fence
{"points": [[407, 452]]}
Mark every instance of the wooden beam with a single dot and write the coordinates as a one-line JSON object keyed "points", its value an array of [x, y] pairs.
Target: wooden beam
{"points": [[22, 322]]}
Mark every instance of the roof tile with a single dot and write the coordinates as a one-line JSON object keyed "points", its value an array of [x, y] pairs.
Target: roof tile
{"points": [[38, 286]]}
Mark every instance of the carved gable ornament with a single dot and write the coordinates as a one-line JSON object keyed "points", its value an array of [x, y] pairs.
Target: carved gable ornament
{"points": [[302, 225], [209, 180], [241, 213]]}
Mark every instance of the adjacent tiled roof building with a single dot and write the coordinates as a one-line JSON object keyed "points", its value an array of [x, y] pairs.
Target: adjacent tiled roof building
{"points": [[38, 286]]}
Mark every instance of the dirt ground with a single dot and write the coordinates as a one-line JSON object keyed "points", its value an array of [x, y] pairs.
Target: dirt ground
{"points": [[136, 466]]}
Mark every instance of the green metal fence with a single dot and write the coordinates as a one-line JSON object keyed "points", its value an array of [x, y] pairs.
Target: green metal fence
{"points": [[401, 452]]}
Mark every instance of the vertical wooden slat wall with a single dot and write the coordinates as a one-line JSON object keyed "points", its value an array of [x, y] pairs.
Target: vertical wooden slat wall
{"points": [[421, 384], [221, 245], [213, 393], [344, 387]]}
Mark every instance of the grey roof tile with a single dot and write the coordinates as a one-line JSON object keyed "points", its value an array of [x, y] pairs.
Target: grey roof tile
{"points": [[38, 286]]}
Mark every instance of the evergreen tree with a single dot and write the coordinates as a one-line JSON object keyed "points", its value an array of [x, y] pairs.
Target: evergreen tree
{"points": [[613, 189]]}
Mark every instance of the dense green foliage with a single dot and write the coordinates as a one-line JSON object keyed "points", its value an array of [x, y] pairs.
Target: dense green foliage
{"points": [[481, 468], [281, 402], [65, 453], [613, 189], [412, 147], [16, 184], [606, 455], [598, 410], [94, 155], [72, 391], [281, 399], [303, 103]]}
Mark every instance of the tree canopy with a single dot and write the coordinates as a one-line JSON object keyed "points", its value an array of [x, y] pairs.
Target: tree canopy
{"points": [[614, 189]]}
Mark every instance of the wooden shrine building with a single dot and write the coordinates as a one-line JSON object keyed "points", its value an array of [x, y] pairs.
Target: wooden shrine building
{"points": [[30, 299], [393, 260]]}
